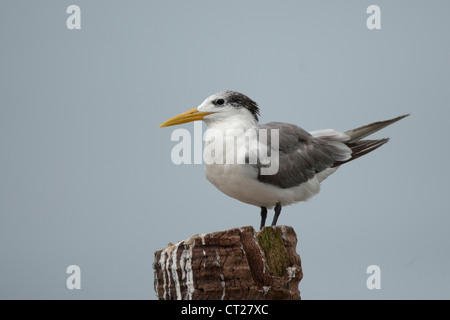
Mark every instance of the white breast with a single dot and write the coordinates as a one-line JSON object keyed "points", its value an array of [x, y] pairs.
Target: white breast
{"points": [[240, 182]]}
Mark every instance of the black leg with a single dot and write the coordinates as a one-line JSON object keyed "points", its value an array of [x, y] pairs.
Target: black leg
{"points": [[277, 214], [263, 217]]}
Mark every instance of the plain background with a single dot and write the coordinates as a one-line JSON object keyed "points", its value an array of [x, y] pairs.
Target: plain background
{"points": [[86, 176]]}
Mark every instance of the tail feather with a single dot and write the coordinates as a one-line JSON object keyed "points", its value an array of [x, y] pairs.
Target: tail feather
{"points": [[362, 132], [360, 148]]}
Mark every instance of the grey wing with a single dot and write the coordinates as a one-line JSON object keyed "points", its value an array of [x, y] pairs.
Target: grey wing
{"points": [[301, 155]]}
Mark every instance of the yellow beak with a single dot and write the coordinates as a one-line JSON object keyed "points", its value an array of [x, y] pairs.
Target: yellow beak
{"points": [[187, 116]]}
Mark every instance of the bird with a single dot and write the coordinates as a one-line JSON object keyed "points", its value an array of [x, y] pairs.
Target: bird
{"points": [[303, 159]]}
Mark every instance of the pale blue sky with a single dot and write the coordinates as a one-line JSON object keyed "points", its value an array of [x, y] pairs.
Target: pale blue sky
{"points": [[85, 172]]}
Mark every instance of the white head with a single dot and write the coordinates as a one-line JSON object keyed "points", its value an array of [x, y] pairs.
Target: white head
{"points": [[228, 108]]}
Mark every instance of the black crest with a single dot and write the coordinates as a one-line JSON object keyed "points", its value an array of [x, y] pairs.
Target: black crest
{"points": [[240, 100]]}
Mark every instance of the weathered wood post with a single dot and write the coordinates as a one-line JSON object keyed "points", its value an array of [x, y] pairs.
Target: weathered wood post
{"points": [[234, 264]]}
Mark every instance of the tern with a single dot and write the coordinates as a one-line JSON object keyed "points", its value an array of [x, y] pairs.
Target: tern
{"points": [[304, 159]]}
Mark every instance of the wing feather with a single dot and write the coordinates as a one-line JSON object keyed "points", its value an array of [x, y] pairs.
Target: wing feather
{"points": [[302, 155]]}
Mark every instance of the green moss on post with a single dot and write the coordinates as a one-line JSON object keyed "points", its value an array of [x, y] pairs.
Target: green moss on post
{"points": [[272, 243]]}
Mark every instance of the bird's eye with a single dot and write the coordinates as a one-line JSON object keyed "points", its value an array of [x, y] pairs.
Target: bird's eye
{"points": [[220, 101]]}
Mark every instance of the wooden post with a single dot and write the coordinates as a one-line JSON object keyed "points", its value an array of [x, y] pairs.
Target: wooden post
{"points": [[234, 264]]}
